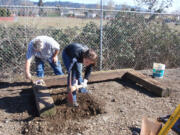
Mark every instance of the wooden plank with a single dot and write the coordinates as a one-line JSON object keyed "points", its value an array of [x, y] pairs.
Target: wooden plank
{"points": [[95, 77], [107, 75], [147, 82], [56, 81], [44, 102]]}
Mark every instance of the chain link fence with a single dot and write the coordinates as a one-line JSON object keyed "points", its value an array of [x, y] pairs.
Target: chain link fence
{"points": [[129, 40]]}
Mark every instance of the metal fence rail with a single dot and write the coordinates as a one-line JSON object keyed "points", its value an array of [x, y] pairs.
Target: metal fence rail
{"points": [[128, 40]]}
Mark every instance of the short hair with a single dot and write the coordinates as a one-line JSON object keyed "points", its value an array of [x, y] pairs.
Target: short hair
{"points": [[38, 45], [90, 54]]}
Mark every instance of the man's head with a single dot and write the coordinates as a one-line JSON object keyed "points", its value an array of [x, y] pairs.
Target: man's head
{"points": [[38, 45], [89, 57]]}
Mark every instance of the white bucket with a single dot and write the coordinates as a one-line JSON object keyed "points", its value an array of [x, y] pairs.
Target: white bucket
{"points": [[158, 70]]}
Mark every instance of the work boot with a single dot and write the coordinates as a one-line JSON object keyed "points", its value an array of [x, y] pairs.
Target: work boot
{"points": [[75, 104], [83, 90]]}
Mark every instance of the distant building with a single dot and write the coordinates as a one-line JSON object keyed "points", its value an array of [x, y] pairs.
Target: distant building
{"points": [[67, 12], [109, 15], [79, 14], [91, 15]]}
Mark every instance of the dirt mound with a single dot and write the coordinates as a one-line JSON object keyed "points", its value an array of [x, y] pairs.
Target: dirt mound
{"points": [[88, 106], [66, 118]]}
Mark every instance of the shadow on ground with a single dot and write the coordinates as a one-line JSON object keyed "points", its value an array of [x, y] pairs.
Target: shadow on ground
{"points": [[18, 102], [14, 84]]}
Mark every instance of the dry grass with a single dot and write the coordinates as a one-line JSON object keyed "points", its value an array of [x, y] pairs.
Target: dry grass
{"points": [[53, 22], [59, 22], [175, 27]]}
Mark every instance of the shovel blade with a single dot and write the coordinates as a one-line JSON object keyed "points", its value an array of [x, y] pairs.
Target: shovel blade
{"points": [[70, 98]]}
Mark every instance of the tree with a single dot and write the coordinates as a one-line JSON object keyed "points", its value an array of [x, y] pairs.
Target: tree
{"points": [[40, 3], [4, 12], [89, 35], [125, 7], [157, 6], [110, 4], [8, 12]]}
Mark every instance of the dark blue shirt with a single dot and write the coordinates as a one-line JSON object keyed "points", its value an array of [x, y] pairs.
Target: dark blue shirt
{"points": [[75, 51]]}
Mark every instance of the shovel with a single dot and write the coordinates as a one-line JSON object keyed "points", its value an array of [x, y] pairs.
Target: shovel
{"points": [[69, 96], [71, 89]]}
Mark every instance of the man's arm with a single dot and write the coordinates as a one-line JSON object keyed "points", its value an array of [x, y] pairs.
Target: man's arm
{"points": [[29, 57], [86, 76], [55, 56], [87, 72], [55, 46], [27, 69]]}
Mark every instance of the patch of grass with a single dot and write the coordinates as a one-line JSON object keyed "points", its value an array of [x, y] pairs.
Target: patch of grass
{"points": [[173, 26], [52, 22]]}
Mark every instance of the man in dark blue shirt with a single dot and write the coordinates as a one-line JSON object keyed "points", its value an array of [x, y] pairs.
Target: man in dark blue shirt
{"points": [[74, 55]]}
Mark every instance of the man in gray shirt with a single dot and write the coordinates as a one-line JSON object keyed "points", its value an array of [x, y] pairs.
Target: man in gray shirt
{"points": [[43, 48]]}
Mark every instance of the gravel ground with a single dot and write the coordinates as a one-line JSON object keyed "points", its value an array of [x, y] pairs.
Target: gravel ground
{"points": [[124, 106]]}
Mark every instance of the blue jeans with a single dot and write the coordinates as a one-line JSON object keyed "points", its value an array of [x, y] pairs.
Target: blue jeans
{"points": [[75, 76], [40, 67]]}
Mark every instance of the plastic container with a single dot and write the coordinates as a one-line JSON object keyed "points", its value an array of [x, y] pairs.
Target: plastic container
{"points": [[158, 70]]}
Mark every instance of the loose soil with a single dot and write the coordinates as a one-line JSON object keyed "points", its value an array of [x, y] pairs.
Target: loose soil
{"points": [[113, 107]]}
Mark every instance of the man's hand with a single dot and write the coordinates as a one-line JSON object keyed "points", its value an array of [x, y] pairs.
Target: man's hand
{"points": [[55, 59], [84, 84], [55, 56]]}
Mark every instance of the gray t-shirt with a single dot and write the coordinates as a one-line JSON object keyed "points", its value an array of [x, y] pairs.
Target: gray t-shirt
{"points": [[49, 48]]}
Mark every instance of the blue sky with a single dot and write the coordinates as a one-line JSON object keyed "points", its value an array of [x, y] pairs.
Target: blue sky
{"points": [[175, 5]]}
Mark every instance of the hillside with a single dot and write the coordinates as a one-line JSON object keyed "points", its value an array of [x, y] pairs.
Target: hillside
{"points": [[67, 4]]}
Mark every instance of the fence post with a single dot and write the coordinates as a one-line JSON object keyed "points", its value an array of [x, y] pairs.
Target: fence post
{"points": [[101, 34]]}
